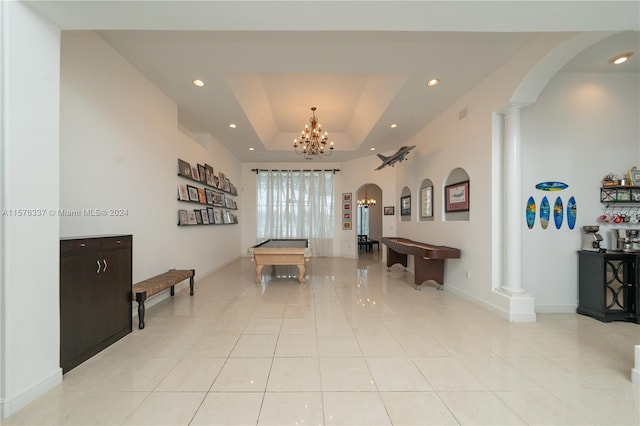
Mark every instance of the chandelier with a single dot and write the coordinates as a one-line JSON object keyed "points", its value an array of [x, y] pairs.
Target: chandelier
{"points": [[366, 201], [312, 142]]}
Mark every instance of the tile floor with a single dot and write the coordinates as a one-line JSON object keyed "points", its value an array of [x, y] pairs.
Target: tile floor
{"points": [[355, 345]]}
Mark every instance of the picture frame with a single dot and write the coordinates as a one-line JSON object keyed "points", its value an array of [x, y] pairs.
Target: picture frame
{"points": [[346, 206], [346, 197], [346, 225], [208, 174], [198, 214], [209, 195], [202, 173], [634, 177], [205, 216], [183, 218], [426, 202], [184, 168], [202, 197], [191, 217], [212, 219], [389, 210], [456, 197], [346, 216], [195, 174], [405, 205], [183, 194], [193, 193]]}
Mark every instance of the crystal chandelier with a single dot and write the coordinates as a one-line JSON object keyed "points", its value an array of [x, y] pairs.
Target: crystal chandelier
{"points": [[312, 142], [366, 201]]}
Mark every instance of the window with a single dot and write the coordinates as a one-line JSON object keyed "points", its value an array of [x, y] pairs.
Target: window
{"points": [[297, 204]]}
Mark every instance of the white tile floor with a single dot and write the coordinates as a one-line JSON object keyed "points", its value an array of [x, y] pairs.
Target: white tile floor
{"points": [[355, 345]]}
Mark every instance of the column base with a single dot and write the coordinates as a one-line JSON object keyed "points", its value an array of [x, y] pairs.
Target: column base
{"points": [[522, 307]]}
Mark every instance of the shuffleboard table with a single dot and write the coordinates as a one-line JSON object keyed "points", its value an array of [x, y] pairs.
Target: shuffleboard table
{"points": [[281, 252]]}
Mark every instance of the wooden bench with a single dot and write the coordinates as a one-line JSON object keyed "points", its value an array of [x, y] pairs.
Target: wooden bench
{"points": [[154, 285]]}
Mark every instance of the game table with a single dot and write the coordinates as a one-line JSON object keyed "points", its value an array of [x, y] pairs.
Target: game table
{"points": [[281, 252]]}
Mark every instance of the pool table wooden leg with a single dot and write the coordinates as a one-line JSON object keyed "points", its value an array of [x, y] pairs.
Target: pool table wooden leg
{"points": [[258, 273], [301, 270]]}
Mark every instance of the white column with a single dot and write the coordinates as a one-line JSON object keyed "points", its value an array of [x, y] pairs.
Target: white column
{"points": [[513, 209]]}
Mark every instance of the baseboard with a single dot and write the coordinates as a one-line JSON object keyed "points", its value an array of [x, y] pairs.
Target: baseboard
{"points": [[556, 309], [502, 313], [12, 405]]}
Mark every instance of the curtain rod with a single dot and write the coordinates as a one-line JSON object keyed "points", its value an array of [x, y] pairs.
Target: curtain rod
{"points": [[292, 170]]}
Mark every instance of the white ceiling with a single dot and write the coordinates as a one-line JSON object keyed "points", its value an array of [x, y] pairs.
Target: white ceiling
{"points": [[267, 63]]}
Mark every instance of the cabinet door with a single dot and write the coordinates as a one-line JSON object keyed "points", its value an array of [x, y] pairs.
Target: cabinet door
{"points": [[77, 280], [113, 315], [619, 281]]}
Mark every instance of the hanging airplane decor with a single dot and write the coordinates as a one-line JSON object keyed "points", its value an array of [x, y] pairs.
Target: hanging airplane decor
{"points": [[395, 158]]}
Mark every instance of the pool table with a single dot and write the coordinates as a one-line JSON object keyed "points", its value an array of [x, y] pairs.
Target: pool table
{"points": [[281, 252]]}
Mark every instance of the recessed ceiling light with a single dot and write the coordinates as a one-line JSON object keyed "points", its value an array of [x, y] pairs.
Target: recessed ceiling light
{"points": [[372, 149], [620, 59], [252, 149], [233, 125], [433, 82], [393, 126], [198, 83]]}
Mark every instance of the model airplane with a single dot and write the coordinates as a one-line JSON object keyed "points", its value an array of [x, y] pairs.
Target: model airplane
{"points": [[395, 158]]}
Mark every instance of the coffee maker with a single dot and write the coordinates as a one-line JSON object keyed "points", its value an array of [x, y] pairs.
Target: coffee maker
{"points": [[624, 239], [591, 239]]}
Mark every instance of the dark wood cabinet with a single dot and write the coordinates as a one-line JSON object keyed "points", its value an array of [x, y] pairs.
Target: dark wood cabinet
{"points": [[95, 295], [608, 286]]}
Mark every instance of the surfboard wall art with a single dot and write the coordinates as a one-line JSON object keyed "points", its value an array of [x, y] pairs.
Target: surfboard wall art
{"points": [[551, 186], [545, 212], [530, 213], [558, 212], [572, 212]]}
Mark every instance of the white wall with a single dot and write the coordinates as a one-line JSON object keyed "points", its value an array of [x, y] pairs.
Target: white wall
{"points": [[582, 127], [119, 150], [29, 311]]}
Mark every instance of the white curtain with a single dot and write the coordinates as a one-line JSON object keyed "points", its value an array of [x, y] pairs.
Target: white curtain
{"points": [[297, 204]]}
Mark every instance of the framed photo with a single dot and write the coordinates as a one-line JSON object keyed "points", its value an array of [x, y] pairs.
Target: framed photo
{"points": [[195, 174], [212, 219], [202, 172], [202, 197], [183, 194], [426, 201], [217, 214], [193, 193], [405, 205], [456, 197], [346, 225], [191, 217], [205, 216], [208, 174], [198, 214], [183, 219], [634, 177], [346, 197], [346, 206], [184, 168], [346, 216], [389, 210], [209, 195]]}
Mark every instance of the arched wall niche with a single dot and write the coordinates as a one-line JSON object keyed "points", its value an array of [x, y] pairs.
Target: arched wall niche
{"points": [[457, 177], [425, 201], [406, 192]]}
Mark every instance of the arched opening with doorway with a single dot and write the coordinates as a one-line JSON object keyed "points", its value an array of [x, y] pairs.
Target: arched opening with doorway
{"points": [[368, 219]]}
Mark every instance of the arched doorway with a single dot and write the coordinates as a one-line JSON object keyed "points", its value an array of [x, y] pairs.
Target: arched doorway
{"points": [[368, 219]]}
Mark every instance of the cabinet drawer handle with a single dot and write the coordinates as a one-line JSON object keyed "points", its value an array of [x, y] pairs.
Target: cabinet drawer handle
{"points": [[105, 265], [118, 242], [98, 262], [83, 245]]}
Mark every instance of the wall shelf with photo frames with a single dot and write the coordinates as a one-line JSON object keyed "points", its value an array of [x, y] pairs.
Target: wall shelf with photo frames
{"points": [[213, 194]]}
